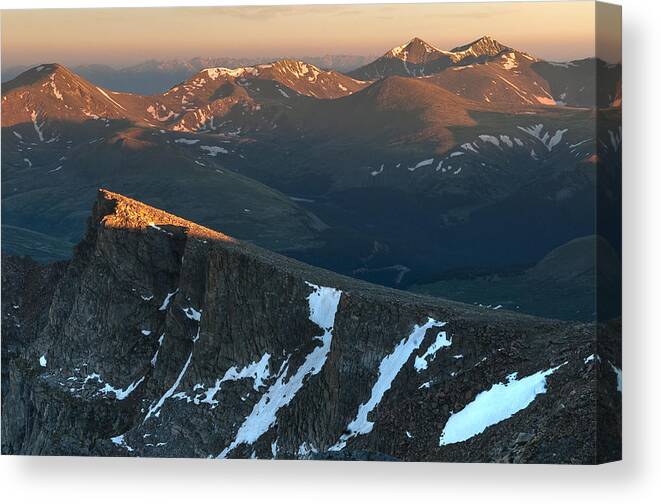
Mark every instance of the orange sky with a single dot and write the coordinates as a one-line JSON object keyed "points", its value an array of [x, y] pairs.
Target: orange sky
{"points": [[551, 30]]}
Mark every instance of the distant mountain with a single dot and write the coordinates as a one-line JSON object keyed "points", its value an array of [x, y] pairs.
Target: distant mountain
{"points": [[478, 51], [9, 73], [247, 97], [495, 73], [156, 76], [571, 282], [339, 62], [43, 100], [394, 111], [417, 58]]}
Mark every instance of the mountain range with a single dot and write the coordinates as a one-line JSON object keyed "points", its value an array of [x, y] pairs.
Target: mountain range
{"points": [[417, 58], [401, 172], [157, 76]]}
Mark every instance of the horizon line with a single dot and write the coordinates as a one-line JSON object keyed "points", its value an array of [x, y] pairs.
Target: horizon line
{"points": [[274, 58]]}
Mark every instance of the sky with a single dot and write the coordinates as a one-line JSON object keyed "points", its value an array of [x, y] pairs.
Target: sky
{"points": [[556, 31]]}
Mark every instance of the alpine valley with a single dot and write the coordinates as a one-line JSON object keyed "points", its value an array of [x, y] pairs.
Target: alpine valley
{"points": [[392, 263]]}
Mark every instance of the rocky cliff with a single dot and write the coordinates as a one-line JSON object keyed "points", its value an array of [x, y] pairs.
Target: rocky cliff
{"points": [[162, 338]]}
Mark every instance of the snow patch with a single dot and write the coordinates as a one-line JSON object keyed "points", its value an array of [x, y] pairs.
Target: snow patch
{"points": [[549, 141], [120, 441], [56, 91], [425, 162], [506, 140], [306, 449], [258, 371], [490, 139], [154, 359], [493, 406], [516, 90], [213, 150], [107, 96], [562, 64], [323, 303], [377, 172], [510, 61], [155, 409], [187, 141], [388, 370], [155, 113], [37, 126], [167, 299], [192, 313], [618, 375], [442, 341], [121, 394]]}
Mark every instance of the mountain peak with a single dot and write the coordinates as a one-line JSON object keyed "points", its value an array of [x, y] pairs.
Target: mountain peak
{"points": [[121, 212], [415, 50], [484, 46], [55, 73], [417, 41], [296, 67], [292, 65], [46, 69]]}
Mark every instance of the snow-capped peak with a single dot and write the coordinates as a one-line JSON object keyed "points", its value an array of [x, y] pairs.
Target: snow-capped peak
{"points": [[294, 67], [415, 51], [484, 46], [216, 72]]}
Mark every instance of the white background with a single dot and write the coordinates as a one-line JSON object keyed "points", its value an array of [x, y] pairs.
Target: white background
{"points": [[636, 479]]}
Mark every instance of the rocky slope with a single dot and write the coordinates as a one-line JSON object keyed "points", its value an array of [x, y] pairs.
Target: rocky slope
{"points": [[164, 338]]}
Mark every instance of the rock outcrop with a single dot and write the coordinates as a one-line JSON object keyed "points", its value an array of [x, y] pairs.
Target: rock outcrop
{"points": [[162, 338]]}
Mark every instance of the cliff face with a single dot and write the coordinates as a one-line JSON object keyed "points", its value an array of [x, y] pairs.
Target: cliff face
{"points": [[163, 338]]}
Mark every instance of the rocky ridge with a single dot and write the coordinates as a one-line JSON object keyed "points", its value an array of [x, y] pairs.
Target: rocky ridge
{"points": [[164, 338]]}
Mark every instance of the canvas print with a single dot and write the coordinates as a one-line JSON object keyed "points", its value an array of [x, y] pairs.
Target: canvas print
{"points": [[331, 232]]}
